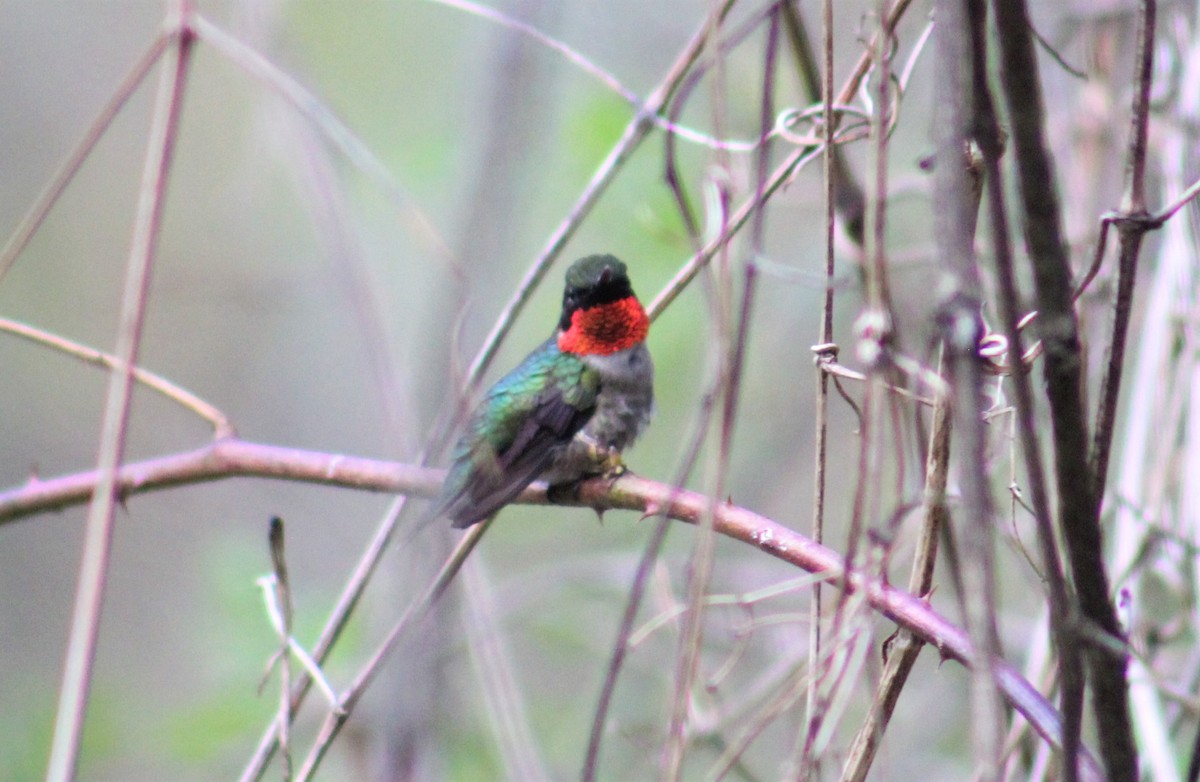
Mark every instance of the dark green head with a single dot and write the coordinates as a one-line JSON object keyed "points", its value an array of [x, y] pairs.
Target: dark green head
{"points": [[592, 281]]}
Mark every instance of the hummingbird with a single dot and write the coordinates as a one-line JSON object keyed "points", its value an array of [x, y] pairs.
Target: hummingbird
{"points": [[568, 410]]}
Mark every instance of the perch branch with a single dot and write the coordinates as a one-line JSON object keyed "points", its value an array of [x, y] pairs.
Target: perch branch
{"points": [[239, 458]]}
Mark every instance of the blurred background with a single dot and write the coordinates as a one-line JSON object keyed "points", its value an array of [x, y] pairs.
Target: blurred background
{"points": [[318, 310]]}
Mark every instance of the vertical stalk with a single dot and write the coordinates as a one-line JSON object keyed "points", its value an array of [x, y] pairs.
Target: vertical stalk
{"points": [[1078, 501], [987, 134], [962, 329], [821, 414], [97, 546]]}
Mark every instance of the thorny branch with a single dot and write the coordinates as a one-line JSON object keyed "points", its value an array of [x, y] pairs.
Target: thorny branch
{"points": [[233, 457]]}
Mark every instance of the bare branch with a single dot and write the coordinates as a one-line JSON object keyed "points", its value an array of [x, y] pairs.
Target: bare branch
{"points": [[97, 545], [835, 179], [781, 174], [416, 611], [220, 422], [987, 136], [956, 199], [903, 648], [238, 458], [1131, 233], [601, 75], [220, 459], [66, 172], [1078, 507]]}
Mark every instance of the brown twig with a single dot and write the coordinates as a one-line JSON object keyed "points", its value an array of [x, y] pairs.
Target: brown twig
{"points": [[1078, 505], [700, 560], [878, 311], [587, 66], [903, 649], [1070, 674], [621, 647], [878, 292], [831, 184], [1133, 220], [349, 598], [1131, 232], [219, 421], [506, 706], [1111, 691], [730, 363], [37, 213], [843, 193], [97, 545], [416, 611], [833, 368], [783, 696], [283, 591]]}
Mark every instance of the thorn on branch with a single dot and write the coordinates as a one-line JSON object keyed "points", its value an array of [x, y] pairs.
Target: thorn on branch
{"points": [[652, 509]]}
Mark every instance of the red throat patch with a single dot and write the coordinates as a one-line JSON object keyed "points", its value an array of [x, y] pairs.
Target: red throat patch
{"points": [[606, 328]]}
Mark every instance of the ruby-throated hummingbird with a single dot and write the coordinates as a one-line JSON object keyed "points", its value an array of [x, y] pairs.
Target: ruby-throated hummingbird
{"points": [[569, 409]]}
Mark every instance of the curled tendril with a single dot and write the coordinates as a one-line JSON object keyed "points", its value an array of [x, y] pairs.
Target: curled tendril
{"points": [[994, 347], [813, 118]]}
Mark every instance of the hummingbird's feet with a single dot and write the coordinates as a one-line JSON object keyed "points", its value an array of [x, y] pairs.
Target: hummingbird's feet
{"points": [[612, 467], [567, 492], [602, 462], [606, 460]]}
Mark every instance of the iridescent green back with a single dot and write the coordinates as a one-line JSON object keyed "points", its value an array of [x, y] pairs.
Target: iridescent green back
{"points": [[526, 417]]}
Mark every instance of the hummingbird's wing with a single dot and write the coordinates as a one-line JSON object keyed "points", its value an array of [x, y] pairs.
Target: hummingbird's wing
{"points": [[484, 479]]}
